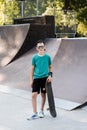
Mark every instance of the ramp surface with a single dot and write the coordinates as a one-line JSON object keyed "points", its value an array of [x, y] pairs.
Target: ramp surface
{"points": [[70, 71], [11, 40], [16, 74], [69, 79]]}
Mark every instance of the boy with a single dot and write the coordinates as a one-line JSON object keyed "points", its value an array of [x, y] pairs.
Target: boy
{"points": [[40, 72]]}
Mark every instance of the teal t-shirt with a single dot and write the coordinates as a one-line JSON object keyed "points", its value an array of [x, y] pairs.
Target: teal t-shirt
{"points": [[41, 64]]}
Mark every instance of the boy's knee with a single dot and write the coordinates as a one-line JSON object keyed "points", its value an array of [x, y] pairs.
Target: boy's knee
{"points": [[34, 95], [43, 95]]}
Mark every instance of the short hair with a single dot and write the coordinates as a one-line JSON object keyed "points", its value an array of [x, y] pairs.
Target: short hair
{"points": [[40, 41]]}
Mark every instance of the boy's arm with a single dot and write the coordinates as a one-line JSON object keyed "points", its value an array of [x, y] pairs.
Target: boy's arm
{"points": [[51, 68], [31, 75], [49, 79]]}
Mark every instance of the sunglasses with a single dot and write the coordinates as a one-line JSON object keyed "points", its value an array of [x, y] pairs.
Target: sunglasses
{"points": [[40, 47]]}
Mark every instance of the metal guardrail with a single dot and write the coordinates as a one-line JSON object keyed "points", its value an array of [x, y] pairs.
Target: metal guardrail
{"points": [[65, 35]]}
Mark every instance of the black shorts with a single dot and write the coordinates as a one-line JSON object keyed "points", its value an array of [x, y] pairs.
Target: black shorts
{"points": [[39, 85]]}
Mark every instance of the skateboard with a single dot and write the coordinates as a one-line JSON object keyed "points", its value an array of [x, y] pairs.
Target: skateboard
{"points": [[51, 102]]}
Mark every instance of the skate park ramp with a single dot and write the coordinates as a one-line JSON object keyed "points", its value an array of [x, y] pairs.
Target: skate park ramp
{"points": [[70, 73], [11, 39], [16, 40], [16, 74]]}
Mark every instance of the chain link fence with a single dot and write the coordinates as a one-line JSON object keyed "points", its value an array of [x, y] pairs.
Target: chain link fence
{"points": [[21, 9], [65, 20], [65, 23]]}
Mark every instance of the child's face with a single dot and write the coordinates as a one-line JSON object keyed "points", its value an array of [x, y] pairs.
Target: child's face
{"points": [[40, 47]]}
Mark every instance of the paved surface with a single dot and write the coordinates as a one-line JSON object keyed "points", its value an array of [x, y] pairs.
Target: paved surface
{"points": [[15, 107]]}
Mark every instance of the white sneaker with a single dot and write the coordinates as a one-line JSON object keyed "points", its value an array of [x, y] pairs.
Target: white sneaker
{"points": [[41, 114], [33, 116]]}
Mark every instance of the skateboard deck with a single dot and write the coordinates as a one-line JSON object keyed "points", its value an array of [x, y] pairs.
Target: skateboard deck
{"points": [[51, 102]]}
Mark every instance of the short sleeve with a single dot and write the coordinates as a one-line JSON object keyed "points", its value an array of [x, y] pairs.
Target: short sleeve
{"points": [[50, 61], [33, 60]]}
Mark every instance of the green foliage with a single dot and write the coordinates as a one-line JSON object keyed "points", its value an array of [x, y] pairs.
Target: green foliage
{"points": [[2, 1], [82, 29], [10, 9], [1, 13], [82, 15], [80, 6]]}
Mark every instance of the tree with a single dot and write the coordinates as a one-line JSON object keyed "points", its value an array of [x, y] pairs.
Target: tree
{"points": [[80, 6], [10, 9]]}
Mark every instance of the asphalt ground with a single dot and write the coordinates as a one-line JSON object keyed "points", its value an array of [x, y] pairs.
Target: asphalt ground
{"points": [[16, 107]]}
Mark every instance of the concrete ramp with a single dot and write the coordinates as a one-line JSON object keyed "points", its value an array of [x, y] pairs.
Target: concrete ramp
{"points": [[16, 74], [11, 39], [70, 73]]}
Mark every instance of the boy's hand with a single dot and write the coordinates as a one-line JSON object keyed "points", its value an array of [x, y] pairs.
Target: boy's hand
{"points": [[49, 79]]}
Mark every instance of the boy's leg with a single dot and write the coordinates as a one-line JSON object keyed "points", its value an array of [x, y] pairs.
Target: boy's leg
{"points": [[43, 95], [34, 103], [43, 92], [35, 92], [41, 113]]}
